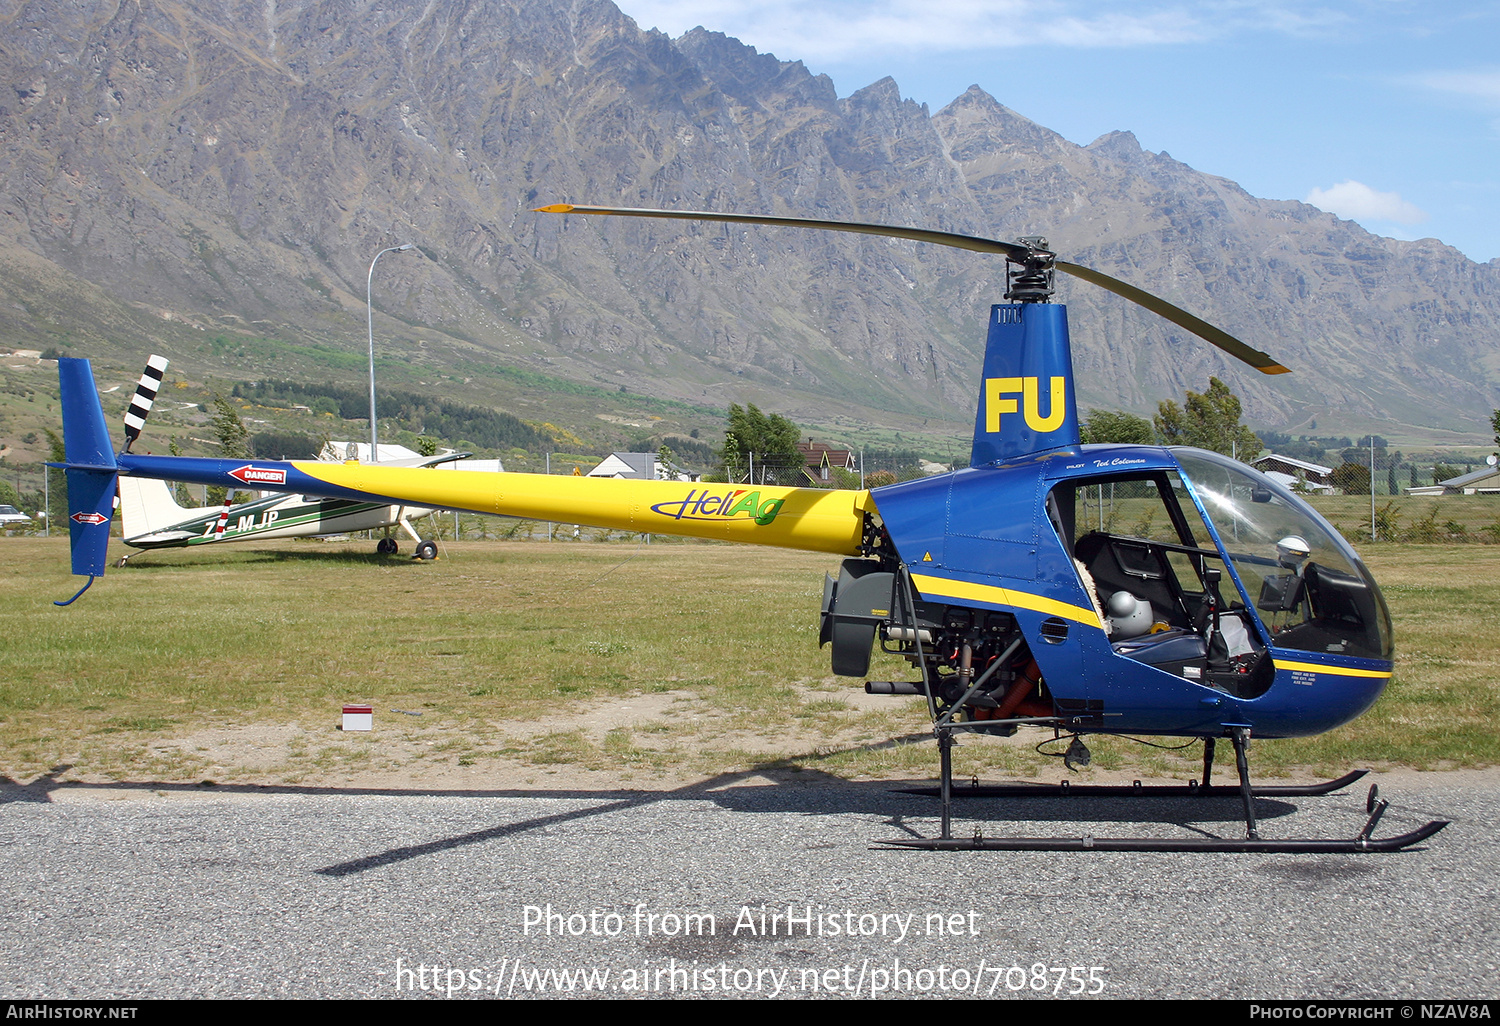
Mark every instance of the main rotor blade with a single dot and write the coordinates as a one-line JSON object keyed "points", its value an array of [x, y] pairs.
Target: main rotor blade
{"points": [[1010, 249], [1178, 316]]}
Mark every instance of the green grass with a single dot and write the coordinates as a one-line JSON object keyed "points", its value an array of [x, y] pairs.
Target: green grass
{"points": [[520, 651], [1456, 518]]}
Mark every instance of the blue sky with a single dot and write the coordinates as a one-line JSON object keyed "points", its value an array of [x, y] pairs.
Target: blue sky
{"points": [[1383, 111]]}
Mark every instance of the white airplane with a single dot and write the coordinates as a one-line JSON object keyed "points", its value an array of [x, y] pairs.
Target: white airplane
{"points": [[153, 519]]}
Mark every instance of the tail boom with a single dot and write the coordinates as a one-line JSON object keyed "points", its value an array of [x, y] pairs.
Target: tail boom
{"points": [[812, 519]]}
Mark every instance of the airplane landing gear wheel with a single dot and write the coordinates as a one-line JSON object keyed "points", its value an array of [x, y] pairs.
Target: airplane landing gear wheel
{"points": [[426, 550], [387, 547]]}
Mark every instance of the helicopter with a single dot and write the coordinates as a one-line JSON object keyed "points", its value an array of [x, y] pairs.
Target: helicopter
{"points": [[1228, 607]]}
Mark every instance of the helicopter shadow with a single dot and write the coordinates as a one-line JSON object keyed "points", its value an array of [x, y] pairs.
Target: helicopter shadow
{"points": [[782, 786]]}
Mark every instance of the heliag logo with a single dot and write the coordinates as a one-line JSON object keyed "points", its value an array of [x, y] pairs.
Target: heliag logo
{"points": [[713, 505]]}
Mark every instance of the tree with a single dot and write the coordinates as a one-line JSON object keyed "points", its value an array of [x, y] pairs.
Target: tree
{"points": [[180, 491], [234, 438], [762, 445], [667, 465], [57, 513], [1352, 478], [1108, 426], [296, 445], [1495, 426], [1210, 420]]}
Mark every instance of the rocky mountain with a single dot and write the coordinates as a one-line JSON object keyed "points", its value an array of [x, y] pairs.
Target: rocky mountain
{"points": [[197, 176]]}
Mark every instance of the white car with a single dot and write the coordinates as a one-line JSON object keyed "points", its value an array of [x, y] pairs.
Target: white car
{"points": [[11, 515]]}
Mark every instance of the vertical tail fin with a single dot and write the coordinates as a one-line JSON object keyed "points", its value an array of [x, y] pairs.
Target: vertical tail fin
{"points": [[91, 467], [1027, 402]]}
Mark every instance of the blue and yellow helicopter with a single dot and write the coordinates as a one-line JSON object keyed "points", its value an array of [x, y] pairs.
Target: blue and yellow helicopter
{"points": [[1104, 589]]}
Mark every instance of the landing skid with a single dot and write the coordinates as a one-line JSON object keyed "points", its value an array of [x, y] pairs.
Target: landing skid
{"points": [[1192, 789], [1252, 842], [1293, 847]]}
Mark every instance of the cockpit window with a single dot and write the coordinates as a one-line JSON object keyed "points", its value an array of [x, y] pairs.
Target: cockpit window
{"points": [[1308, 586], [1133, 534]]}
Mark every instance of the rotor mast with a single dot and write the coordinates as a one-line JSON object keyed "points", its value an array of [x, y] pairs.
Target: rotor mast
{"points": [[1029, 279]]}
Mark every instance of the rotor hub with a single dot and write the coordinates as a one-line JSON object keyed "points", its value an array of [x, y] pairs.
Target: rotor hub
{"points": [[1030, 280]]}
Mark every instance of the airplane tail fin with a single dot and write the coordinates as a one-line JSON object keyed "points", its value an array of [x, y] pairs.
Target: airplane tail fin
{"points": [[147, 505], [91, 469]]}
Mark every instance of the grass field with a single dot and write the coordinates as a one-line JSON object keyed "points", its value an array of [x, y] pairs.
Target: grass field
{"points": [[526, 660], [1451, 518]]}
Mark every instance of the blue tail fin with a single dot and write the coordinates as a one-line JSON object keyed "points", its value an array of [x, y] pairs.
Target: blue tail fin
{"points": [[91, 468], [1027, 404]]}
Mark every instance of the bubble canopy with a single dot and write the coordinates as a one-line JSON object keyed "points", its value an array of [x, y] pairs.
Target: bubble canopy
{"points": [[1323, 601]]}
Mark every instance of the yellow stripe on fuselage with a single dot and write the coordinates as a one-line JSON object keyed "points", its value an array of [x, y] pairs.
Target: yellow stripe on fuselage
{"points": [[814, 519], [949, 588], [1341, 671]]}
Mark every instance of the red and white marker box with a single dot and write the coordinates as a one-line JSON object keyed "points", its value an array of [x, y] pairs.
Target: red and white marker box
{"points": [[359, 717]]}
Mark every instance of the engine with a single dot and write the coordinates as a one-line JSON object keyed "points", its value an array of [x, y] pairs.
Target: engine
{"points": [[975, 658]]}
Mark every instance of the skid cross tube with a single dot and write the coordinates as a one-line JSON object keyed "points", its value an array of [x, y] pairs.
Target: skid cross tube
{"points": [[1251, 843], [908, 606], [1240, 736]]}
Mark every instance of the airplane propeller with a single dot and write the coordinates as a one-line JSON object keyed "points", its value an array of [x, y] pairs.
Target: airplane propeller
{"points": [[1034, 259]]}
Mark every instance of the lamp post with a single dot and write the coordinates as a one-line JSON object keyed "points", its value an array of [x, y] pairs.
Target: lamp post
{"points": [[370, 316]]}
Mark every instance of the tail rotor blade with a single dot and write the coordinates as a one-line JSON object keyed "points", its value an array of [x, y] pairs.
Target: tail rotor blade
{"points": [[145, 396]]}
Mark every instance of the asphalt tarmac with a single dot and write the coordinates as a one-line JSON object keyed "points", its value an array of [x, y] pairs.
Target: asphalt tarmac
{"points": [[738, 887]]}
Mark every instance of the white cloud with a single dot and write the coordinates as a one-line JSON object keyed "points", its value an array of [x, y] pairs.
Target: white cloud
{"points": [[1480, 85], [1481, 88], [1358, 202]]}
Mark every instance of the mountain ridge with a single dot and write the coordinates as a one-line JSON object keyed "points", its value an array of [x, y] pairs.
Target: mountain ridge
{"points": [[175, 173]]}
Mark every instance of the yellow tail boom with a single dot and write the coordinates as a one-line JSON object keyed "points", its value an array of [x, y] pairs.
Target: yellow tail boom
{"points": [[814, 519]]}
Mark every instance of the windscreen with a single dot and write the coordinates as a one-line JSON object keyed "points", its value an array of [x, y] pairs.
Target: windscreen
{"points": [[1305, 582]]}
